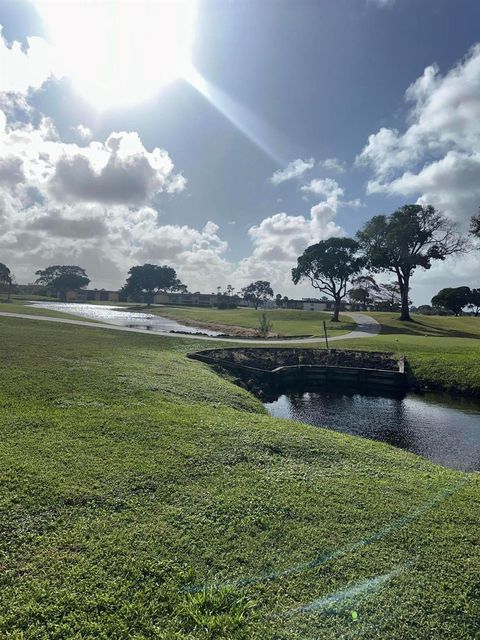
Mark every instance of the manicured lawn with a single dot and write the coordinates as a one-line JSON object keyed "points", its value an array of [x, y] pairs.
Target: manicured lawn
{"points": [[442, 351], [142, 496], [286, 322]]}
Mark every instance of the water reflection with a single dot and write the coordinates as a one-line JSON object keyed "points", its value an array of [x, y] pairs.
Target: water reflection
{"points": [[438, 427], [123, 317]]}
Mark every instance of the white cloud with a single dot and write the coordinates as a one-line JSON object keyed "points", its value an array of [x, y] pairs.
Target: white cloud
{"points": [[279, 239], [333, 164], [294, 169], [437, 157], [91, 205], [121, 171], [83, 132], [326, 187], [25, 68]]}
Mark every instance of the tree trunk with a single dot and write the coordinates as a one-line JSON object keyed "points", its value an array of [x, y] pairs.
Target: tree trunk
{"points": [[336, 310], [405, 312]]}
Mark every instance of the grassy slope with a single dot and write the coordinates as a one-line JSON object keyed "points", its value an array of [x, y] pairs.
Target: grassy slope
{"points": [[287, 322], [444, 351], [142, 496]]}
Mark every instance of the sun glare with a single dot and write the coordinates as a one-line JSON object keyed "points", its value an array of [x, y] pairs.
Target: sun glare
{"points": [[120, 52]]}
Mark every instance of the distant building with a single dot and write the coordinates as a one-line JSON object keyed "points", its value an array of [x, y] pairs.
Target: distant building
{"points": [[92, 295]]}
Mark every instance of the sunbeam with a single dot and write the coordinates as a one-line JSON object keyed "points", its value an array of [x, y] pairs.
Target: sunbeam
{"points": [[257, 130]]}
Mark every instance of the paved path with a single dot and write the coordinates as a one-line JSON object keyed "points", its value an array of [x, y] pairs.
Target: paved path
{"points": [[367, 327]]}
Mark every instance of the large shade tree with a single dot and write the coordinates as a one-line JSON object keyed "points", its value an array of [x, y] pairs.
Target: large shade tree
{"points": [[149, 279], [257, 292], [329, 265], [412, 236], [6, 278], [63, 278], [454, 299]]}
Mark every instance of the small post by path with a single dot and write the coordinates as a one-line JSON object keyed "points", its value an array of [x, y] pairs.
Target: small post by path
{"points": [[325, 332]]}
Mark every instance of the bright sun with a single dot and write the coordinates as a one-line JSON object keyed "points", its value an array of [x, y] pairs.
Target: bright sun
{"points": [[119, 52]]}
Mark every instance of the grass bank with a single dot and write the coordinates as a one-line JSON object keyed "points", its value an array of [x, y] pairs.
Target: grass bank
{"points": [[286, 322], [443, 352], [142, 496]]}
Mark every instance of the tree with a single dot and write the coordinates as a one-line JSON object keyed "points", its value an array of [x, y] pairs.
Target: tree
{"points": [[475, 225], [363, 288], [454, 299], [148, 279], [389, 297], [474, 301], [230, 290], [63, 278], [257, 292], [412, 236], [278, 299], [6, 278], [329, 265]]}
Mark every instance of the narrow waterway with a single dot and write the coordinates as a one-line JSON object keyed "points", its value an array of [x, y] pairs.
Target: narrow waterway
{"points": [[436, 426], [123, 317]]}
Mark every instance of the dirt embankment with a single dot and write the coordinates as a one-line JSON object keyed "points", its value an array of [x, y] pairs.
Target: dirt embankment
{"points": [[269, 359]]}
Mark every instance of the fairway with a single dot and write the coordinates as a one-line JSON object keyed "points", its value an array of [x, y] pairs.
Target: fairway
{"points": [[286, 322], [443, 352], [143, 496]]}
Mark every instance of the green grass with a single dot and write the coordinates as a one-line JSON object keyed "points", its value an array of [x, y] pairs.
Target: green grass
{"points": [[286, 322], [443, 352], [142, 496]]}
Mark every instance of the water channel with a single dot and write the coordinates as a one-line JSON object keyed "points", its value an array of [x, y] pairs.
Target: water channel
{"points": [[123, 317], [436, 426]]}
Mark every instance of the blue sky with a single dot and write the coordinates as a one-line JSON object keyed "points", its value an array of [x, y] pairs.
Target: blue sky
{"points": [[320, 82]]}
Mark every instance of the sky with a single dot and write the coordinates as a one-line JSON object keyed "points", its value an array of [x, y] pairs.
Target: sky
{"points": [[223, 137]]}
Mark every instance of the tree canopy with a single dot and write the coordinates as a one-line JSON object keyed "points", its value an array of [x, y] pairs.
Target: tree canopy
{"points": [[412, 236], [475, 225], [63, 278], [329, 265], [453, 299], [474, 301], [257, 292], [148, 279], [5, 277]]}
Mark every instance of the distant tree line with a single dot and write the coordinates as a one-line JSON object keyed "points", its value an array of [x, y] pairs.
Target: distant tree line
{"points": [[414, 236]]}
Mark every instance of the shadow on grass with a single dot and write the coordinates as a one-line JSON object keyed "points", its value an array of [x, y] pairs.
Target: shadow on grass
{"points": [[425, 327]]}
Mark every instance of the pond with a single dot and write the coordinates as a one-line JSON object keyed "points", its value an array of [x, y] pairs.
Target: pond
{"points": [[122, 316], [436, 426]]}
